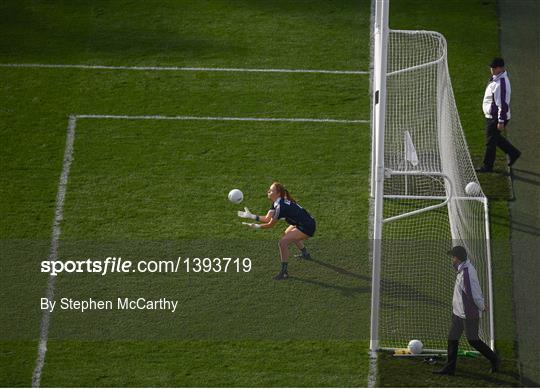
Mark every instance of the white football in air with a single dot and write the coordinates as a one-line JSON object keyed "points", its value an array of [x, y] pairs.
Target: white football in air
{"points": [[236, 196], [472, 189], [415, 346]]}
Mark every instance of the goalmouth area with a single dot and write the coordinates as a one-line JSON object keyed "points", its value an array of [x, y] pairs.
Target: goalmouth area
{"points": [[166, 110]]}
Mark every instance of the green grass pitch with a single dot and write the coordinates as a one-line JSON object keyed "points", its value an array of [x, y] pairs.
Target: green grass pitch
{"points": [[157, 188]]}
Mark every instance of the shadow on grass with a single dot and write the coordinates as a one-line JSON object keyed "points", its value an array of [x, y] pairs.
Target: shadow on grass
{"points": [[471, 372], [347, 291], [341, 270], [527, 180], [386, 284], [527, 172], [528, 227], [135, 35], [496, 379]]}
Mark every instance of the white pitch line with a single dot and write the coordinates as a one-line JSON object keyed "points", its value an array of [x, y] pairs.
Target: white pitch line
{"points": [[372, 374], [221, 118], [178, 68], [53, 253]]}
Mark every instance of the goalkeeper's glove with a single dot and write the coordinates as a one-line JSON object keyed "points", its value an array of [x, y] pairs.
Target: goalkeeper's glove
{"points": [[252, 225], [246, 214]]}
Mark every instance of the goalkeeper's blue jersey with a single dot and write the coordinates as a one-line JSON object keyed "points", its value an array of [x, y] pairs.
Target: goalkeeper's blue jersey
{"points": [[293, 214]]}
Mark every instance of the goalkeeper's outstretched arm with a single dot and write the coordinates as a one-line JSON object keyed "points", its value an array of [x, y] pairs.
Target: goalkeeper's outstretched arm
{"points": [[267, 221], [268, 218]]}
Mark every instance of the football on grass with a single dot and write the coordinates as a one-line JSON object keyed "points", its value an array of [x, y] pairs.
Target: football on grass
{"points": [[236, 196], [415, 346]]}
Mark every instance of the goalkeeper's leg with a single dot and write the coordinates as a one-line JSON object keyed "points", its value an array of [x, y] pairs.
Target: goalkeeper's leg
{"points": [[291, 236], [304, 254]]}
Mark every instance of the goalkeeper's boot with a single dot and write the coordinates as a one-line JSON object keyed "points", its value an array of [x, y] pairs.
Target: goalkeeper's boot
{"points": [[305, 256], [282, 275]]}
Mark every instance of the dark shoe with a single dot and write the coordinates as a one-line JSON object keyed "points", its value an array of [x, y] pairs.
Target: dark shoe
{"points": [[444, 371], [307, 257], [483, 169], [495, 366], [514, 158], [282, 275]]}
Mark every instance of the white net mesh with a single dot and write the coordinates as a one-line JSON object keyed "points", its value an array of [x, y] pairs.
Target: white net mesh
{"points": [[429, 164]]}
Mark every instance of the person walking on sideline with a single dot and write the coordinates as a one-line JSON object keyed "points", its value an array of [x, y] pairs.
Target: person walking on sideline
{"points": [[467, 305], [496, 106]]}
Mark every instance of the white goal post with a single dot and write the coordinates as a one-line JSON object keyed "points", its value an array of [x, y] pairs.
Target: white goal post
{"points": [[420, 208]]}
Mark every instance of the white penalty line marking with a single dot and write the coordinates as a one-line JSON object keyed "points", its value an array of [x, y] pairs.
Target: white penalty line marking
{"points": [[178, 68], [221, 118], [53, 252], [61, 194]]}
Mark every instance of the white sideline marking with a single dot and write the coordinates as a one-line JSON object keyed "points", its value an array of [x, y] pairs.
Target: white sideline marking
{"points": [[178, 68], [372, 375], [53, 253], [220, 118], [61, 194]]}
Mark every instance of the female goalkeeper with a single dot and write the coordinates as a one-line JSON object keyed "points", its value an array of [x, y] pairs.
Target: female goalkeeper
{"points": [[302, 225]]}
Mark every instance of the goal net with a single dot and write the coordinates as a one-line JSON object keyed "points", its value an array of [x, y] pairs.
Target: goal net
{"points": [[426, 209]]}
